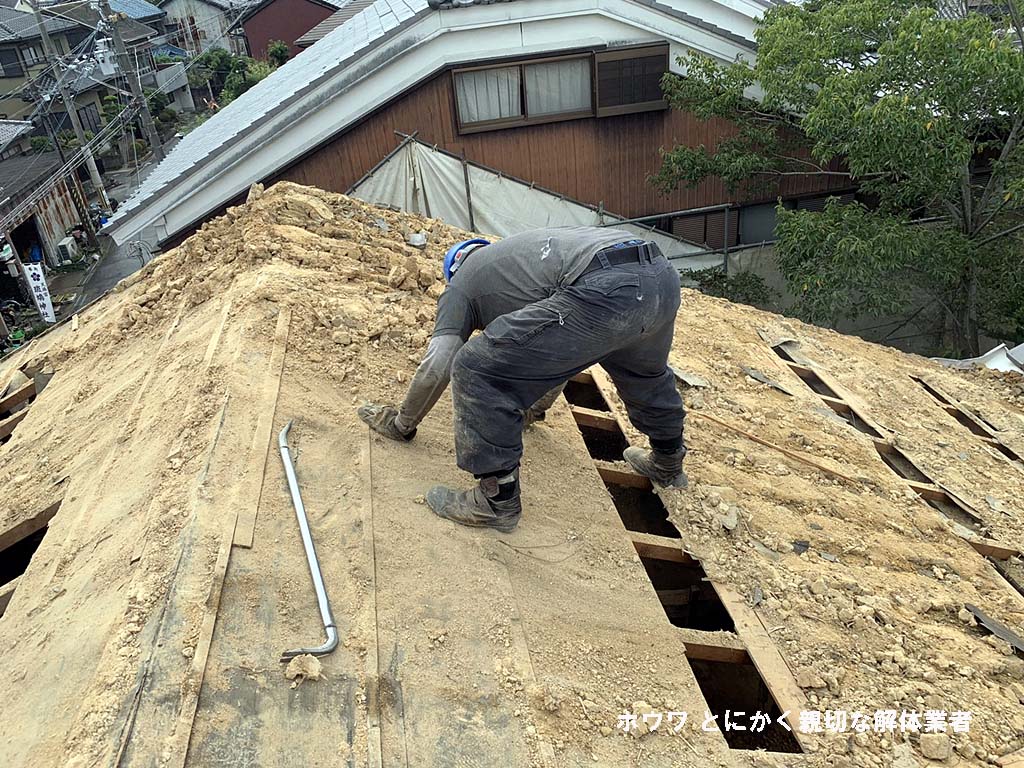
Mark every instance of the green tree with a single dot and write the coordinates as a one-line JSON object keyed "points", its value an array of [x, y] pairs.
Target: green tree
{"points": [[741, 287], [41, 144], [245, 73], [923, 111], [157, 101], [278, 52]]}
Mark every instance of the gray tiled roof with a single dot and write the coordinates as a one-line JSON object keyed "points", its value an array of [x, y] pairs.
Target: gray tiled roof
{"points": [[137, 9], [13, 129], [89, 17], [332, 22], [270, 95], [18, 174], [18, 25]]}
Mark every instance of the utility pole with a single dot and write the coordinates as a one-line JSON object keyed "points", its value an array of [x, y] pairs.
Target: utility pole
{"points": [[69, 107], [133, 80]]}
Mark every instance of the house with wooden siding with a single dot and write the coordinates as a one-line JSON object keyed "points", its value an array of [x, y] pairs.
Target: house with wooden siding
{"points": [[285, 20], [563, 94]]}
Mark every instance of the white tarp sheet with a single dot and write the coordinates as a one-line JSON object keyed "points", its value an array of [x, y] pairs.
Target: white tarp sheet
{"points": [[998, 358], [420, 179]]}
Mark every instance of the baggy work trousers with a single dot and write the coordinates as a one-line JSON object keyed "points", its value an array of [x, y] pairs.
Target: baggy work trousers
{"points": [[621, 316]]}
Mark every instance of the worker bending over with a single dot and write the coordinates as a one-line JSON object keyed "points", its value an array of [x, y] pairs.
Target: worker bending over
{"points": [[550, 303]]}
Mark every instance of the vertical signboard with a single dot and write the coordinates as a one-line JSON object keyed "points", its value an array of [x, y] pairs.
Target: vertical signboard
{"points": [[36, 281]]}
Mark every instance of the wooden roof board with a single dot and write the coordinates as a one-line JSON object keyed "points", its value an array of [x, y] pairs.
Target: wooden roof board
{"points": [[459, 629]]}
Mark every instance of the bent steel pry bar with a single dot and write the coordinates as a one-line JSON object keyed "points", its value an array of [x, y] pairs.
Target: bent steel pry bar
{"points": [[314, 564]]}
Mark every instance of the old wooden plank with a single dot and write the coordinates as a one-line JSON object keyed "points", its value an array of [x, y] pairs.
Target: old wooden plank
{"points": [[659, 548], [1012, 760], [994, 549], [177, 746], [588, 417], [766, 657], [263, 436], [7, 425], [16, 398], [28, 527], [618, 473], [7, 592]]}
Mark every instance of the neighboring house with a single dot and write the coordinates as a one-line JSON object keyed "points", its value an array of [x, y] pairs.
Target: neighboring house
{"points": [[38, 206], [143, 39], [563, 93], [197, 25], [15, 138], [284, 20], [25, 80], [21, 55]]}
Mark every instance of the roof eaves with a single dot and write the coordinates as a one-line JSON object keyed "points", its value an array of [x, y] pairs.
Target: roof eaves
{"points": [[726, 34]]}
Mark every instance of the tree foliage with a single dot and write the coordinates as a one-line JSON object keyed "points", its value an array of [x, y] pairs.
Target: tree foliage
{"points": [[245, 73], [41, 144], [740, 287], [922, 111], [278, 52]]}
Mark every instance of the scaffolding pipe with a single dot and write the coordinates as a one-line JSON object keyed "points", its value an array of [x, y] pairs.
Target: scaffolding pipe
{"points": [[314, 564]]}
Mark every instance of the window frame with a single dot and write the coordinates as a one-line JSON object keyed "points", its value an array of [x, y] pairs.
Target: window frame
{"points": [[594, 57], [631, 52], [525, 119], [19, 66]]}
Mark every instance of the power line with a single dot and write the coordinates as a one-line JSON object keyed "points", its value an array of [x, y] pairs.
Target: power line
{"points": [[111, 126]]}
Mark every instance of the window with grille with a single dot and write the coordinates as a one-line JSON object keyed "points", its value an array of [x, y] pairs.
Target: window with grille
{"points": [[629, 80]]}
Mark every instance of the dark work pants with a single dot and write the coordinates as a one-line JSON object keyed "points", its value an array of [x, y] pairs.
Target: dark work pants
{"points": [[621, 317]]}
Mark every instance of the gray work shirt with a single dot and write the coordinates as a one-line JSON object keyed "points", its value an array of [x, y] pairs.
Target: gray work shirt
{"points": [[493, 281], [517, 271]]}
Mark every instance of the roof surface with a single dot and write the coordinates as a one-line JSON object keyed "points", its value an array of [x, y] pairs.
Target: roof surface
{"points": [[22, 172], [87, 16], [13, 129], [332, 22], [137, 9], [17, 25]]}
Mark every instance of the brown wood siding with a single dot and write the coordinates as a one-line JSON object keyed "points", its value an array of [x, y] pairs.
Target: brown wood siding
{"points": [[590, 160]]}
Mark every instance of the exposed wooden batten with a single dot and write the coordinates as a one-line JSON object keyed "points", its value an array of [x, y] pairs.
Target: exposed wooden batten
{"points": [[617, 473], [588, 417], [660, 548], [27, 527]]}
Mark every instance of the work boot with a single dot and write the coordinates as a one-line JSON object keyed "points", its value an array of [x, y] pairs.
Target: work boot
{"points": [[487, 505], [383, 420], [664, 469]]}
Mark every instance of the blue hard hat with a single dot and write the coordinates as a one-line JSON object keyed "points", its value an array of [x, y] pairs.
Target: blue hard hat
{"points": [[453, 259]]}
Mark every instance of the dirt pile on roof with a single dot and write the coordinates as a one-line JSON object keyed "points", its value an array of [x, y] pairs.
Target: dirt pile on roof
{"points": [[146, 433]]}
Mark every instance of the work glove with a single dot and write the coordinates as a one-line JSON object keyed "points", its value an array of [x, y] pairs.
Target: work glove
{"points": [[381, 419]]}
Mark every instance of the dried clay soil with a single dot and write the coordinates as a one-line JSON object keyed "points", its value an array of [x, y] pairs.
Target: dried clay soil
{"points": [[303, 304]]}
